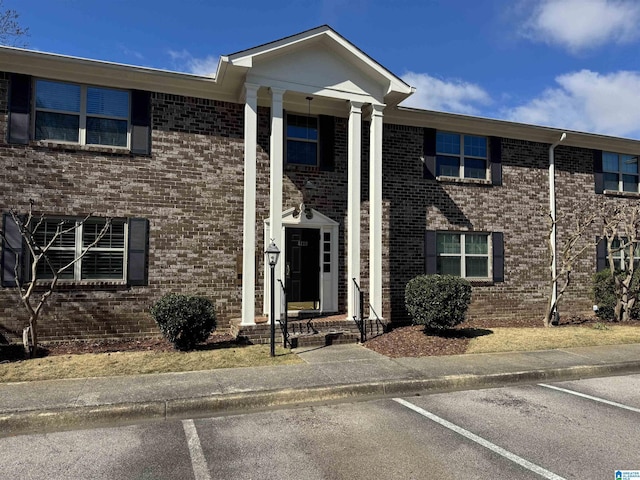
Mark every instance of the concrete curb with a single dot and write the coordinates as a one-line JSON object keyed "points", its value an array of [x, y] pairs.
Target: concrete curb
{"points": [[38, 421]]}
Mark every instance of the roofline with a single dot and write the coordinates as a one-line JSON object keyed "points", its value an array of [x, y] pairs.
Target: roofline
{"points": [[509, 129], [104, 63], [317, 31], [111, 74], [56, 66]]}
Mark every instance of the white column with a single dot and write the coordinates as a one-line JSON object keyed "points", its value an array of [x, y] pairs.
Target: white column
{"points": [[249, 205], [375, 211], [353, 203], [275, 205]]}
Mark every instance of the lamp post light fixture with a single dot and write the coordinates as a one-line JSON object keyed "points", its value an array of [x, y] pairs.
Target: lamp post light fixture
{"points": [[272, 252]]}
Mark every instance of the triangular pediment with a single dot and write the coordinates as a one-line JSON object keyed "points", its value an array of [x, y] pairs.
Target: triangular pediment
{"points": [[319, 62], [310, 218]]}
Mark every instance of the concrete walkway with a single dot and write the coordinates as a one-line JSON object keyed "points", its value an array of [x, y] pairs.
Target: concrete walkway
{"points": [[339, 372]]}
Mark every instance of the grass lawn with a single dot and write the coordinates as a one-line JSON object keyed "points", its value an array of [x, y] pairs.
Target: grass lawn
{"points": [[528, 339], [476, 340], [133, 363]]}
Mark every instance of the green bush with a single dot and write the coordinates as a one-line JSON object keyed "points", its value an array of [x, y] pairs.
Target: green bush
{"points": [[604, 294], [184, 320], [437, 301]]}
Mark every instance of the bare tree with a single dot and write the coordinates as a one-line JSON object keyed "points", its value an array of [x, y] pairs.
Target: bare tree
{"points": [[573, 247], [11, 32], [34, 290], [621, 232]]}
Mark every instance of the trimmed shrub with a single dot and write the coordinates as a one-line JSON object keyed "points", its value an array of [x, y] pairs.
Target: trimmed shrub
{"points": [[184, 320], [604, 294], [437, 301]]}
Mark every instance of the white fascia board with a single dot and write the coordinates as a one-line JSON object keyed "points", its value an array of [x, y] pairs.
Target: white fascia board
{"points": [[80, 70], [501, 128], [244, 58], [396, 84], [392, 82]]}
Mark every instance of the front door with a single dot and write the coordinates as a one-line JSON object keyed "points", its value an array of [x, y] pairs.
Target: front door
{"points": [[302, 268]]}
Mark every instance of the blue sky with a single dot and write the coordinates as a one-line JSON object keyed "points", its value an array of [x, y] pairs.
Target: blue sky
{"points": [[572, 64]]}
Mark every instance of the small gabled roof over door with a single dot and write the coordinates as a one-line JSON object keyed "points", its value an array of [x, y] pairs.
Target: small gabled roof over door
{"points": [[316, 62]]}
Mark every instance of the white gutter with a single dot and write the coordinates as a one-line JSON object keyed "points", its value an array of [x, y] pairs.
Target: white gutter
{"points": [[552, 210]]}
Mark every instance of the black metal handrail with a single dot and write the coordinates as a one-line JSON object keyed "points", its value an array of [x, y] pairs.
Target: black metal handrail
{"points": [[380, 326], [284, 317], [373, 324], [358, 316]]}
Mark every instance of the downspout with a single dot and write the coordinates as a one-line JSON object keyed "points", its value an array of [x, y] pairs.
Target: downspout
{"points": [[552, 210]]}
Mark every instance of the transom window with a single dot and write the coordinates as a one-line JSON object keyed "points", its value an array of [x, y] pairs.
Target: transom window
{"points": [[302, 139], [82, 114], [104, 261], [620, 172], [463, 254], [463, 156]]}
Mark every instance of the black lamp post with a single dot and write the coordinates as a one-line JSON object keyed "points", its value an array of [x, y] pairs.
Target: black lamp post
{"points": [[273, 253]]}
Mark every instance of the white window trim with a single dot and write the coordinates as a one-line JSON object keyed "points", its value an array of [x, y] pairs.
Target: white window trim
{"points": [[620, 256], [461, 156], [82, 115], [300, 139], [462, 255], [79, 248]]}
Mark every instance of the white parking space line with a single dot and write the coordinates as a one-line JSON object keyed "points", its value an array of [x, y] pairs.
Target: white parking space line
{"points": [[198, 462], [595, 399], [481, 441]]}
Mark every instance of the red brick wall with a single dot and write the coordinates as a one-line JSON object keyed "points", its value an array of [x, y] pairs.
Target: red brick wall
{"points": [[191, 190]]}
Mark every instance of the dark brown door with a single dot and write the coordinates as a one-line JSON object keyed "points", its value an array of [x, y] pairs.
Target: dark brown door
{"points": [[303, 265]]}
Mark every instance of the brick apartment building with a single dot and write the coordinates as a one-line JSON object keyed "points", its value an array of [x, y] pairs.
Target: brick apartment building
{"points": [[300, 141]]}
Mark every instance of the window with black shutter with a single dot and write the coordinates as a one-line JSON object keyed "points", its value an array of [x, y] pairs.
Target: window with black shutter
{"points": [[119, 256], [471, 255], [456, 155]]}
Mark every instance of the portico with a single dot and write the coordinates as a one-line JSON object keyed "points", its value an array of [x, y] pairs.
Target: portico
{"points": [[344, 83]]}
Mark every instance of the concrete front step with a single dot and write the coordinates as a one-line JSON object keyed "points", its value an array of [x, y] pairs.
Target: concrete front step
{"points": [[323, 339], [320, 330]]}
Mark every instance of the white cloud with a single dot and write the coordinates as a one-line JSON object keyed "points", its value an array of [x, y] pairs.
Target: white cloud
{"points": [[183, 61], [455, 96], [130, 53], [582, 24], [587, 101]]}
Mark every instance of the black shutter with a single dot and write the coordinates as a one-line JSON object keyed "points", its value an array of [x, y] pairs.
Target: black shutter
{"points": [[495, 161], [431, 264], [601, 254], [140, 122], [498, 256], [429, 153], [11, 251], [597, 171], [326, 143], [19, 109], [137, 267]]}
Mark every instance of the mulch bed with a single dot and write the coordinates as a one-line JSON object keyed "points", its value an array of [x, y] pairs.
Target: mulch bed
{"points": [[408, 341], [414, 341], [156, 344]]}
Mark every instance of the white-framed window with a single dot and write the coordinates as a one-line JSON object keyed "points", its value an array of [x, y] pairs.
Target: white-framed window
{"points": [[302, 139], [464, 255], [620, 172], [463, 156], [621, 256], [82, 114], [105, 261]]}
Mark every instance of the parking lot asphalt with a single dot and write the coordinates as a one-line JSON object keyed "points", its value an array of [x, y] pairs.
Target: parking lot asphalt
{"points": [[334, 373]]}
